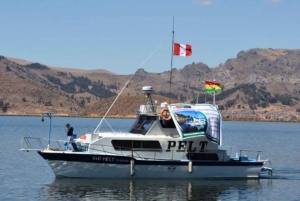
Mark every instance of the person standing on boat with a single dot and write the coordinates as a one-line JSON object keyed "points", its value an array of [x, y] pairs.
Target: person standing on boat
{"points": [[69, 132]]}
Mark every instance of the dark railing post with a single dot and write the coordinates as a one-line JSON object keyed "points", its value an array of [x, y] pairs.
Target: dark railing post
{"points": [[50, 117]]}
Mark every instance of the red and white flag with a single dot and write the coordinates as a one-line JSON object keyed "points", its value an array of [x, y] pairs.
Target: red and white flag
{"points": [[182, 50]]}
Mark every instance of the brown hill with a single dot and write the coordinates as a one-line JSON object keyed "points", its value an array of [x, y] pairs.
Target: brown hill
{"points": [[124, 106], [256, 81]]}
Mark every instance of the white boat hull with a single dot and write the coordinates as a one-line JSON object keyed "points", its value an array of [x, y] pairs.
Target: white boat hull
{"points": [[150, 169]]}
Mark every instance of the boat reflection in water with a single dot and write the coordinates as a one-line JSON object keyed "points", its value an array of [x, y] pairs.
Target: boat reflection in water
{"points": [[118, 189]]}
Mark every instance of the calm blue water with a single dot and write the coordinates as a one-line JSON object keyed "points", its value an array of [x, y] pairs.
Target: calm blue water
{"points": [[26, 176]]}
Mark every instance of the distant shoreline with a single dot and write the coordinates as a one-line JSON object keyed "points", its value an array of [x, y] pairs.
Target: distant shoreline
{"points": [[261, 120]]}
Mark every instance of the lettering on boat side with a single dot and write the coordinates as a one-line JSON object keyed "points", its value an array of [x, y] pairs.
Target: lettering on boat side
{"points": [[182, 146], [171, 168], [105, 158], [122, 160]]}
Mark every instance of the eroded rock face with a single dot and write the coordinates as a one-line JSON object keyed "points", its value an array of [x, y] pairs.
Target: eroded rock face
{"points": [[30, 88]]}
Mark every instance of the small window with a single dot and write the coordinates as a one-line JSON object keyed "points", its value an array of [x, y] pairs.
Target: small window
{"points": [[143, 124], [151, 145], [122, 144], [203, 156], [127, 145], [167, 124]]}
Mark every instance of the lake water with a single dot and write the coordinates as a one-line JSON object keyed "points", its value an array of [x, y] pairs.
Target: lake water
{"points": [[26, 176]]}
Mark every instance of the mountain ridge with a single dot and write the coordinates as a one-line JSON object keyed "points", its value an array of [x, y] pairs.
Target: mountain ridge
{"points": [[257, 81]]}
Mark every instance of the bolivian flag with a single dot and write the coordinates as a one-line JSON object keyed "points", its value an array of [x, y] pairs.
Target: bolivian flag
{"points": [[212, 87]]}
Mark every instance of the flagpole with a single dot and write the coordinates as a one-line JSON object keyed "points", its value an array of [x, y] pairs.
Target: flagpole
{"points": [[214, 91], [204, 85], [214, 97], [172, 55]]}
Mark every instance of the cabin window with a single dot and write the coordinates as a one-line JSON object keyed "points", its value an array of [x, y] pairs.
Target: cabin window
{"points": [[167, 124], [142, 124], [202, 156], [141, 145]]}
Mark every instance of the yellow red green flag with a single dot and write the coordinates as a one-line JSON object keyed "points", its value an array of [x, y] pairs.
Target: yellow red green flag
{"points": [[212, 87]]}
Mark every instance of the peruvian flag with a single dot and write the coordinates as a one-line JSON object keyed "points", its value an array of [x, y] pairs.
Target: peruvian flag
{"points": [[182, 50]]}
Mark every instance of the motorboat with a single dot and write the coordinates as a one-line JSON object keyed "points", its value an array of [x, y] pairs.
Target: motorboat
{"points": [[166, 141]]}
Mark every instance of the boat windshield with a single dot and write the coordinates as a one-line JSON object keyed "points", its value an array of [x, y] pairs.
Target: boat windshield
{"points": [[142, 124]]}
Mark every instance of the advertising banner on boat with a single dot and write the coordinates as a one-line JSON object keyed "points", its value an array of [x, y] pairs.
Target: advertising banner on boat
{"points": [[214, 119], [191, 122]]}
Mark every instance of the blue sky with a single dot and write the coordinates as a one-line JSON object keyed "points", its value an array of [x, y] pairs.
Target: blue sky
{"points": [[119, 35]]}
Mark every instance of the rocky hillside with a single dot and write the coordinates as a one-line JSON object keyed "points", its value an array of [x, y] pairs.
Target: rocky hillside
{"points": [[257, 81]]}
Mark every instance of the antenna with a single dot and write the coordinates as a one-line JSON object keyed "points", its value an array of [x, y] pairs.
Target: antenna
{"points": [[103, 118]]}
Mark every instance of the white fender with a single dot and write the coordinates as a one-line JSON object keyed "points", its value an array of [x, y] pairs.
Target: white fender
{"points": [[132, 167], [190, 166]]}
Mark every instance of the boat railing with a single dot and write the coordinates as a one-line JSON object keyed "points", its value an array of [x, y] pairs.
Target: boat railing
{"points": [[124, 151], [255, 154], [157, 154], [38, 144]]}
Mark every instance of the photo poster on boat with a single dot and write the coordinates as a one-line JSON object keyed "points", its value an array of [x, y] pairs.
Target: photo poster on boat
{"points": [[214, 119], [192, 123]]}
